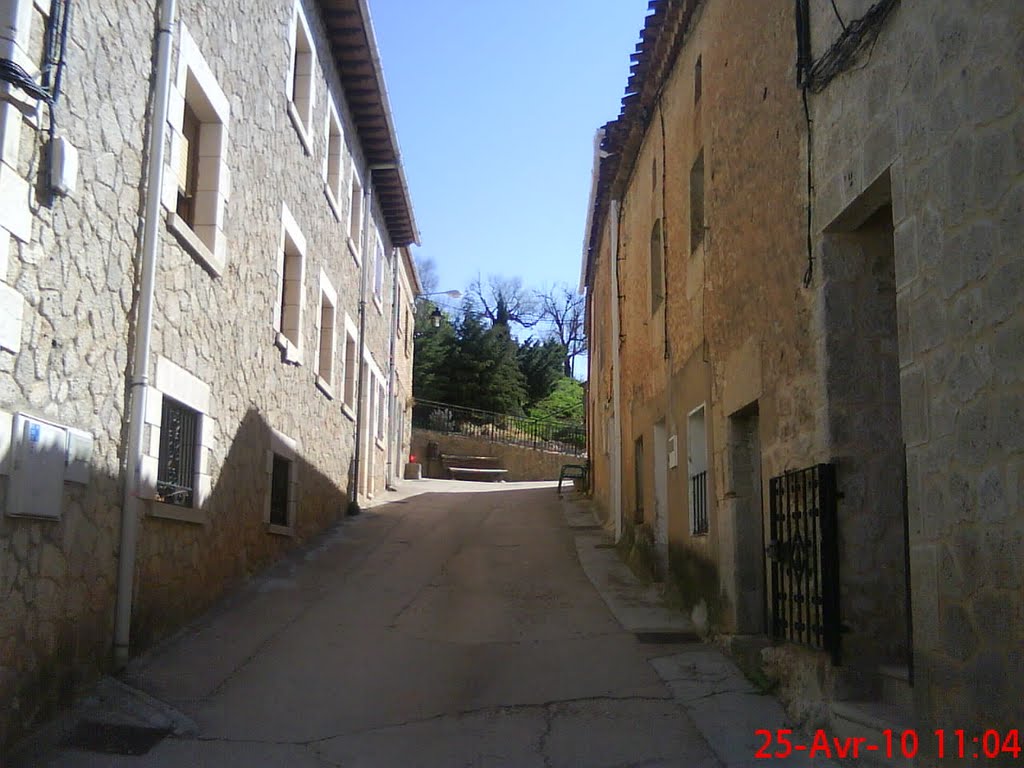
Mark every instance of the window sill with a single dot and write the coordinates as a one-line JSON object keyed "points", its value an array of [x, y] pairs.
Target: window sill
{"points": [[180, 514], [324, 387], [332, 202], [281, 530], [289, 352], [348, 411], [196, 247], [354, 251], [303, 132]]}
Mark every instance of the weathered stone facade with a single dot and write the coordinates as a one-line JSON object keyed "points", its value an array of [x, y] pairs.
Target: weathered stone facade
{"points": [[69, 307], [880, 334]]}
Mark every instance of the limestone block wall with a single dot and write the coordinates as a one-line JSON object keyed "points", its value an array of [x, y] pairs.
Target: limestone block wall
{"points": [[67, 273], [67, 303], [937, 106]]}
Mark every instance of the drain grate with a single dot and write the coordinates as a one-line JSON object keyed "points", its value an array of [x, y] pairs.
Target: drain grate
{"points": [[656, 637], [116, 738]]}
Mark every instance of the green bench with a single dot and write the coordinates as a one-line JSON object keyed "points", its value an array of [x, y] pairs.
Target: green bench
{"points": [[571, 472]]}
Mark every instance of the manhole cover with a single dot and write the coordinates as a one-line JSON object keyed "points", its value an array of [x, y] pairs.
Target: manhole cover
{"points": [[116, 738]]}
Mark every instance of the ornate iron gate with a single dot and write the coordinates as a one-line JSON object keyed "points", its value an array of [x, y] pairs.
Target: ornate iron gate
{"points": [[804, 555]]}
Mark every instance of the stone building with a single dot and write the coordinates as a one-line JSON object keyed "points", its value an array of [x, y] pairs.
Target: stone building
{"points": [[204, 312], [804, 316]]}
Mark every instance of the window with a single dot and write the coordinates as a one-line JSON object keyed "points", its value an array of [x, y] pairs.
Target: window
{"points": [[697, 471], [697, 202], [300, 80], [176, 473], [334, 161], [188, 168], [696, 81], [279, 510], [196, 190], [325, 343], [176, 463], [381, 410], [351, 366], [291, 263], [657, 267], [282, 470], [378, 273], [355, 213]]}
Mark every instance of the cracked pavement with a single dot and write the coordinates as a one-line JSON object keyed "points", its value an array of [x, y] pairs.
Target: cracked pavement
{"points": [[449, 628]]}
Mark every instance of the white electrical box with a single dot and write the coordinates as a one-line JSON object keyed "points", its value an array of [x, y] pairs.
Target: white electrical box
{"points": [[38, 460], [63, 166], [673, 454]]}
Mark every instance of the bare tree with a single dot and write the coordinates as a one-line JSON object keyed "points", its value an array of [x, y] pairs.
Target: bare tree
{"points": [[503, 300], [426, 267], [564, 309]]}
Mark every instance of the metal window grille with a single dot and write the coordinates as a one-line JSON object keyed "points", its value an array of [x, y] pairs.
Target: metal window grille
{"points": [[699, 502], [805, 558], [177, 461], [279, 491]]}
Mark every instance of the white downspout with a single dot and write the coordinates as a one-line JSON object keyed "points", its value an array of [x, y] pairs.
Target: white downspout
{"points": [[364, 237], [616, 457], [131, 509]]}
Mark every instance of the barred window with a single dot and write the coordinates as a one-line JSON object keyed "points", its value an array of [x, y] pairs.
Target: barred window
{"points": [[177, 462]]}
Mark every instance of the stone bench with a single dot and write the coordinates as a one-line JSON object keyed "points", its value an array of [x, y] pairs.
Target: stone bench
{"points": [[477, 473]]}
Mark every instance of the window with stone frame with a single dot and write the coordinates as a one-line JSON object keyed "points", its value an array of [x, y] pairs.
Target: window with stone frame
{"points": [[325, 342], [197, 184], [301, 91], [351, 369], [281, 503], [292, 268], [697, 81], [378, 272], [334, 161], [381, 410], [179, 448], [355, 212]]}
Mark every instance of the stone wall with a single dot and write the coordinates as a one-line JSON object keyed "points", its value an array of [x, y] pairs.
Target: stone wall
{"points": [[521, 463], [67, 308], [936, 113]]}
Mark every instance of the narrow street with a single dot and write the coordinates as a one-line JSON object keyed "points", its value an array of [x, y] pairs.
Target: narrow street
{"points": [[445, 629]]}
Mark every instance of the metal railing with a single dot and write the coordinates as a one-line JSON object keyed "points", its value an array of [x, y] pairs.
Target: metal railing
{"points": [[538, 434]]}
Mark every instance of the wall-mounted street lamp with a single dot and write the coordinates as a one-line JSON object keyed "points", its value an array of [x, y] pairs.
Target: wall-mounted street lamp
{"points": [[436, 316]]}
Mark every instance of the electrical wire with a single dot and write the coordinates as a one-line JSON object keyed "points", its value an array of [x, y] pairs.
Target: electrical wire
{"points": [[836, 11], [809, 273]]}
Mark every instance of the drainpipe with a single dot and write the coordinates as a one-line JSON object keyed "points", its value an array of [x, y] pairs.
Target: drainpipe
{"points": [[613, 218], [393, 372], [364, 240], [132, 507]]}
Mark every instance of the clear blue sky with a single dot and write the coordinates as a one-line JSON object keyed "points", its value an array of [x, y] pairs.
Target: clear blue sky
{"points": [[496, 105]]}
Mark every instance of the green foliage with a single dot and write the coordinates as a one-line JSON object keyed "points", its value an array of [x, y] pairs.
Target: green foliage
{"points": [[483, 372], [433, 352], [541, 363], [564, 403]]}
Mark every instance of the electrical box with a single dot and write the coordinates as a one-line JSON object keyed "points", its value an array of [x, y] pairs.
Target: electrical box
{"points": [[63, 166], [673, 454], [38, 460]]}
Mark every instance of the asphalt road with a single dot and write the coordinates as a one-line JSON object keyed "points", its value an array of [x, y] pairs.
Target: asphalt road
{"points": [[447, 629]]}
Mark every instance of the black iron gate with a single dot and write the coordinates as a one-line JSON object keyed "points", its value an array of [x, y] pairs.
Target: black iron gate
{"points": [[804, 555]]}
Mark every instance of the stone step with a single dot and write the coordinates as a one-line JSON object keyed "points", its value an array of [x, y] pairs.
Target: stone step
{"points": [[869, 720], [471, 462]]}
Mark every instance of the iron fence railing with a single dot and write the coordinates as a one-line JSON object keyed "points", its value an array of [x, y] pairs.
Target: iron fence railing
{"points": [[539, 434], [699, 502]]}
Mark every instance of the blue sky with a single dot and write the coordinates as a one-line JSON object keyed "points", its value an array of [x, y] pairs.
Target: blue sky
{"points": [[496, 105]]}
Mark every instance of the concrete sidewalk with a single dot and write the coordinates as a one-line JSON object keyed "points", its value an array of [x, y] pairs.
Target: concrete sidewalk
{"points": [[726, 707]]}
